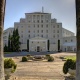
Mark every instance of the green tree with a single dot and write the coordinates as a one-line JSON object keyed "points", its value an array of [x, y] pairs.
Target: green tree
{"points": [[58, 45], [48, 44], [9, 44], [15, 43], [28, 44], [5, 48]]}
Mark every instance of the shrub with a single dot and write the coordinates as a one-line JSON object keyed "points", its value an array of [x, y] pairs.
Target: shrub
{"points": [[24, 59], [50, 59], [28, 55], [69, 64], [9, 63]]}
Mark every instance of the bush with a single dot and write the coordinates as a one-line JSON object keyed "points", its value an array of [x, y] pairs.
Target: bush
{"points": [[50, 59], [69, 64], [9, 63], [24, 59], [28, 55]]}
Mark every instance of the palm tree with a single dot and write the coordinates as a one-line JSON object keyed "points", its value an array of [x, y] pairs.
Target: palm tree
{"points": [[2, 11], [77, 2]]}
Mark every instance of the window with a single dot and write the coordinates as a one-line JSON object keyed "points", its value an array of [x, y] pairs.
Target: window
{"points": [[54, 31], [57, 31], [34, 21], [29, 31], [32, 41], [29, 26], [21, 31], [58, 36], [21, 36], [34, 25], [38, 21], [29, 21], [46, 20], [38, 31], [38, 26], [71, 40], [57, 26], [41, 35], [29, 35], [47, 31], [47, 25], [42, 26], [54, 36], [42, 31], [41, 21], [41, 16], [53, 26], [47, 36], [65, 40]]}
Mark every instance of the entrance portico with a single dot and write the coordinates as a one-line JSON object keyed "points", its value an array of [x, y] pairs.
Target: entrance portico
{"points": [[38, 44]]}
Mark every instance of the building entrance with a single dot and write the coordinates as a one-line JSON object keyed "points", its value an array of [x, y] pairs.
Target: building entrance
{"points": [[38, 48]]}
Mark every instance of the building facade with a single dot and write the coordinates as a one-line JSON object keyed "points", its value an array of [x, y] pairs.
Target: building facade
{"points": [[38, 31]]}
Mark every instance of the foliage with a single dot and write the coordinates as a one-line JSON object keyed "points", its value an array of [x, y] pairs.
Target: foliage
{"points": [[9, 44], [70, 57], [28, 55], [24, 59], [48, 44], [58, 45], [50, 59], [9, 63], [5, 48], [13, 42], [69, 64], [28, 44]]}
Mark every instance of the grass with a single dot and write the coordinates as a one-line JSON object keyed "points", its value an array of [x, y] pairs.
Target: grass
{"points": [[70, 57]]}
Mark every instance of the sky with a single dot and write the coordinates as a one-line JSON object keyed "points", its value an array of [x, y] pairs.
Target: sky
{"points": [[62, 10]]}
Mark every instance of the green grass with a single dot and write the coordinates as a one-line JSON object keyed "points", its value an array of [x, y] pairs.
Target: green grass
{"points": [[70, 57]]}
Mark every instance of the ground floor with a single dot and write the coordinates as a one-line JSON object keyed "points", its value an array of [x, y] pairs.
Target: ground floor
{"points": [[39, 44]]}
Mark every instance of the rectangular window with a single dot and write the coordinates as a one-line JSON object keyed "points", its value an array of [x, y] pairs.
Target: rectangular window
{"points": [[46, 31], [42, 26], [42, 31]]}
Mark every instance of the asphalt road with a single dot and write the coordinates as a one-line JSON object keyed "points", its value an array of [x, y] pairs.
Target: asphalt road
{"points": [[14, 54]]}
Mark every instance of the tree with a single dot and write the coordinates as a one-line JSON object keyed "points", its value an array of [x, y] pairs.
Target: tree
{"points": [[58, 45], [5, 48], [15, 44], [78, 39], [28, 44], [48, 45], [9, 44], [2, 13]]}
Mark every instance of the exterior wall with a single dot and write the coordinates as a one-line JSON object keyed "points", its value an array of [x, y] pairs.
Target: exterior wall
{"points": [[6, 35], [38, 24], [67, 33], [69, 44]]}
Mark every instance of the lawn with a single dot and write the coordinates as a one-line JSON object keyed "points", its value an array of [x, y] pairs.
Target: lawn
{"points": [[70, 57]]}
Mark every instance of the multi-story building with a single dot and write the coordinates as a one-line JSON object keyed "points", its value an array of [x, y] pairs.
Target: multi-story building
{"points": [[38, 31]]}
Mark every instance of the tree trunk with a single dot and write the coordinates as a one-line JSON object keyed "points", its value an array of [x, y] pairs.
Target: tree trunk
{"points": [[78, 39], [2, 11]]}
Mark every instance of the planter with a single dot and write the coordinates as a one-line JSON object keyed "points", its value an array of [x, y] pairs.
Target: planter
{"points": [[72, 72]]}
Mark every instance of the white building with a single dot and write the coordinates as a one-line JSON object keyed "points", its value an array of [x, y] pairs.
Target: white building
{"points": [[36, 29]]}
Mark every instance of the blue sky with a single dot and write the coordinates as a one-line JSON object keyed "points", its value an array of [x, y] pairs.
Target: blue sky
{"points": [[62, 10]]}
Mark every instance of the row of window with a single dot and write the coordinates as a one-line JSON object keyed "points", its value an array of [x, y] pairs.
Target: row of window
{"points": [[41, 36], [43, 30], [67, 41], [38, 21]]}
